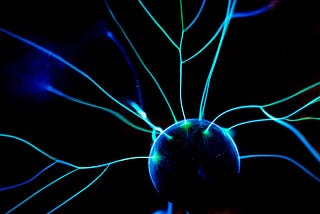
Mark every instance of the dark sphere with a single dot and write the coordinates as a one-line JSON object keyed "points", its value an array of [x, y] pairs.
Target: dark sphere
{"points": [[192, 166]]}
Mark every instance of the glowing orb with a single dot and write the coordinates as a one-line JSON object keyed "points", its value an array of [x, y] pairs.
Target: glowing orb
{"points": [[193, 163]]}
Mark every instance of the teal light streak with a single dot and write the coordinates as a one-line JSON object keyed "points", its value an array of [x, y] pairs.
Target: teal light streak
{"points": [[109, 163], [294, 95], [229, 13], [233, 109], [115, 114], [28, 144], [304, 169], [249, 122], [303, 119], [181, 76], [207, 44], [157, 24], [140, 59]]}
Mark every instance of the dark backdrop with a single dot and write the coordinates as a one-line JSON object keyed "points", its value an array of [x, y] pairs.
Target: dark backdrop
{"points": [[263, 59]]}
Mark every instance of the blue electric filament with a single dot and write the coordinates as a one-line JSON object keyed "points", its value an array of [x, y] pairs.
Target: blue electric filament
{"points": [[160, 107]]}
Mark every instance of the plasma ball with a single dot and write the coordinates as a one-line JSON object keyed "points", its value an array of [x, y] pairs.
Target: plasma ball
{"points": [[193, 165]]}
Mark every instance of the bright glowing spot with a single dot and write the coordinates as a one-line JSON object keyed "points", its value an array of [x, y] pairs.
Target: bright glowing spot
{"points": [[138, 110]]}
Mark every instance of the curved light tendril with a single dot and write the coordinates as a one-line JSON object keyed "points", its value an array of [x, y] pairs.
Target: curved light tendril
{"points": [[103, 166], [290, 160], [157, 23], [197, 16], [114, 113], [230, 9]]}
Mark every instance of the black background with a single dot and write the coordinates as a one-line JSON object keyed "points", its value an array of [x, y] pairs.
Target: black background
{"points": [[263, 59]]}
